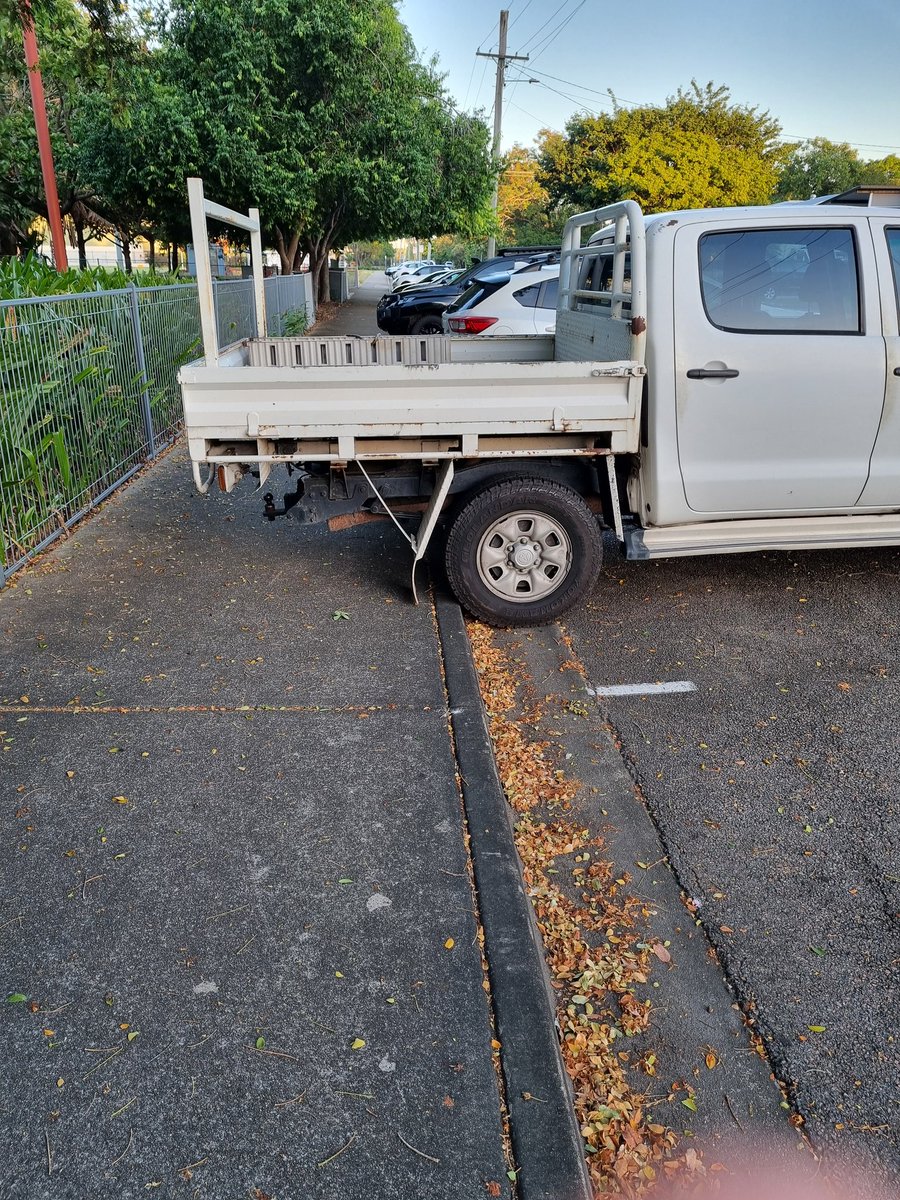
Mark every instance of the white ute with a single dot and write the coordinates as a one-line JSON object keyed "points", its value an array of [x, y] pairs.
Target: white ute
{"points": [[719, 381]]}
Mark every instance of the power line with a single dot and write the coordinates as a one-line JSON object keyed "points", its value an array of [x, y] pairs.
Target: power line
{"points": [[551, 18], [469, 84], [593, 91], [490, 33], [519, 14], [501, 58], [797, 137], [539, 120], [554, 34], [480, 84], [610, 96], [577, 100]]}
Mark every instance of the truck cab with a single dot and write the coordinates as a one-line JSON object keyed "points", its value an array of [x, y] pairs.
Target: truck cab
{"points": [[773, 365]]}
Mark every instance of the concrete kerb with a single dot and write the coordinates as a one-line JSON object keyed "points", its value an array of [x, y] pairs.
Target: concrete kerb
{"points": [[547, 1144]]}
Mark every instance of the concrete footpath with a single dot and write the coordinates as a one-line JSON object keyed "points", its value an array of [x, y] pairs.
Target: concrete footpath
{"points": [[357, 316], [237, 929]]}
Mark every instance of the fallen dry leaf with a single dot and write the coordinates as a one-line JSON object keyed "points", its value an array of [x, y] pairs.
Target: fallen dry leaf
{"points": [[596, 949]]}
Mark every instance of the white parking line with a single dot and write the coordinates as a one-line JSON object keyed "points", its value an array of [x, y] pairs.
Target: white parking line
{"points": [[644, 689]]}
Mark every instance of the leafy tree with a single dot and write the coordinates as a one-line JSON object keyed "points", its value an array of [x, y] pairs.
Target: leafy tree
{"points": [[884, 170], [458, 249], [698, 150], [318, 112], [136, 147], [528, 216], [74, 70], [819, 168]]}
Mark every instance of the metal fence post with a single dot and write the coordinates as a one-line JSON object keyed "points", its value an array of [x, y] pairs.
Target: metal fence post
{"points": [[142, 369]]}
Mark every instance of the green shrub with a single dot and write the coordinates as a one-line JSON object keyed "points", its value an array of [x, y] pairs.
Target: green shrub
{"points": [[295, 322], [21, 278]]}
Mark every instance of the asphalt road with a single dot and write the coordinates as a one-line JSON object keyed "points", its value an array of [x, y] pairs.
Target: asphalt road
{"points": [[236, 918], [775, 787]]}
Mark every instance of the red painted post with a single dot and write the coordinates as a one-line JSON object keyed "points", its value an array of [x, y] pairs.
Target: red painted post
{"points": [[45, 149]]}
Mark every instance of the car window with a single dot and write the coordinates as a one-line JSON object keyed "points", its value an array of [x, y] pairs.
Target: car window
{"points": [[893, 241], [528, 296], [549, 293], [478, 291], [595, 274], [781, 280]]}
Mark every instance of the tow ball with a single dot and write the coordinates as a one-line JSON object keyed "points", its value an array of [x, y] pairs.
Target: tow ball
{"points": [[271, 510]]}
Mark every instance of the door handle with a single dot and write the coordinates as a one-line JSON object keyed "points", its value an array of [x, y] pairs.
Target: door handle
{"points": [[703, 373]]}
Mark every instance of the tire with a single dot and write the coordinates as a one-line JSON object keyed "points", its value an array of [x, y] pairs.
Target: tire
{"points": [[427, 324], [523, 551]]}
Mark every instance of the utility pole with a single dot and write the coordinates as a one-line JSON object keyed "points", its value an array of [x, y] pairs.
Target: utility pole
{"points": [[42, 128], [502, 58]]}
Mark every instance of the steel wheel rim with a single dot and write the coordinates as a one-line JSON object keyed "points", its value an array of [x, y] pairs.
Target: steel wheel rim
{"points": [[524, 556]]}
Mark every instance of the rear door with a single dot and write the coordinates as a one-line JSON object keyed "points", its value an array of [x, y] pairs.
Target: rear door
{"points": [[545, 309], [883, 487], [779, 363], [526, 298]]}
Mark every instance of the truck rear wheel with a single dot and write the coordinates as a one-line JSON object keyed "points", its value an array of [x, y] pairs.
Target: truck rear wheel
{"points": [[523, 551]]}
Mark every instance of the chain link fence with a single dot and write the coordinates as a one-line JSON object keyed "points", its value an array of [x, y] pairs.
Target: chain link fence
{"points": [[89, 388]]}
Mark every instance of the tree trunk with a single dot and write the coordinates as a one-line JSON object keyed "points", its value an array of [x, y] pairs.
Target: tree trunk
{"points": [[152, 253], [126, 250], [317, 249], [319, 268], [79, 242], [287, 250]]}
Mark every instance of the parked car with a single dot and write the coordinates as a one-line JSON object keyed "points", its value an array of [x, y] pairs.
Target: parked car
{"points": [[406, 272], [413, 274], [439, 276], [394, 268], [504, 302], [420, 310]]}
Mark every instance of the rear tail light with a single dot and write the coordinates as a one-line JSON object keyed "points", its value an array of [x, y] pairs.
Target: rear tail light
{"points": [[470, 324]]}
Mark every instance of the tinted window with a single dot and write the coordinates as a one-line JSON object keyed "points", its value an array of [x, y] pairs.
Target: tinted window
{"points": [[501, 263], [595, 275], [781, 280], [893, 240], [478, 291], [549, 294], [527, 297]]}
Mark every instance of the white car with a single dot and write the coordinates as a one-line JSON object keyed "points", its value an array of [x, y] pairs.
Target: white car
{"points": [[414, 271], [507, 302], [437, 278], [400, 266]]}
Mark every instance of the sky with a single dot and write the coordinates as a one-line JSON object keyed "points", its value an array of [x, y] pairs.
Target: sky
{"points": [[821, 67]]}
